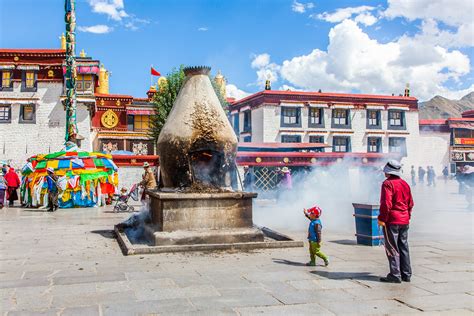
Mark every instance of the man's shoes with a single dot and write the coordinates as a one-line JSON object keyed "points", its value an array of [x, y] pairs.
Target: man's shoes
{"points": [[390, 279], [311, 264], [406, 279]]}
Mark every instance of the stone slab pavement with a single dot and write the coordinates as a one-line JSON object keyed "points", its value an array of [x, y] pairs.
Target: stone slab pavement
{"points": [[68, 263]]}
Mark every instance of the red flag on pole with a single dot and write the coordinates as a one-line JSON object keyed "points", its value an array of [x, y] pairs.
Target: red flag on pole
{"points": [[154, 72]]}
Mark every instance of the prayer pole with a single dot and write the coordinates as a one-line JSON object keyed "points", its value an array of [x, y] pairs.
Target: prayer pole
{"points": [[70, 77]]}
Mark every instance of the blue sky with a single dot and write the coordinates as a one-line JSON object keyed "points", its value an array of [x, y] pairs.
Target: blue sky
{"points": [[343, 46]]}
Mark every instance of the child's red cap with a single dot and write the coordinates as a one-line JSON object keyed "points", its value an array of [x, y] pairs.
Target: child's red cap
{"points": [[315, 211]]}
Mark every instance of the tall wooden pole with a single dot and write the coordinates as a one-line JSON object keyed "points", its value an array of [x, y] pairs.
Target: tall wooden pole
{"points": [[70, 77]]}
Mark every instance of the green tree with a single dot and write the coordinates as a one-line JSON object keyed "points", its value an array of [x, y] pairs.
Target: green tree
{"points": [[165, 96]]}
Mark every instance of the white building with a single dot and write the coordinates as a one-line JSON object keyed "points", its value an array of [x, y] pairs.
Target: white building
{"points": [[354, 123], [32, 116]]}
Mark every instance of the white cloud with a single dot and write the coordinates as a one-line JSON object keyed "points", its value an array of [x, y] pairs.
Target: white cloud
{"points": [[234, 92], [451, 12], [354, 61], [114, 9], [301, 7], [203, 29], [366, 18], [265, 69], [96, 29], [342, 14], [260, 61]]}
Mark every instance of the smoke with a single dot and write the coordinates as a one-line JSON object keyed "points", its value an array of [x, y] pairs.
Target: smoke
{"points": [[134, 225], [332, 188]]}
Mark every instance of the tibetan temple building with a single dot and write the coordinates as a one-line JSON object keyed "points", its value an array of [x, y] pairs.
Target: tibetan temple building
{"points": [[32, 114]]}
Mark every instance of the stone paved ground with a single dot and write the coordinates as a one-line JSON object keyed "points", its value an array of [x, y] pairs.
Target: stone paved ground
{"points": [[67, 263]]}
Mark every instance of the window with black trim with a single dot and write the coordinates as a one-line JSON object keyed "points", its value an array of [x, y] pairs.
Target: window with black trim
{"points": [[247, 121], [247, 139], [373, 119], [317, 139], [7, 80], [316, 117], [27, 114], [85, 83], [341, 118], [341, 144], [236, 123], [5, 113], [291, 138], [374, 145], [397, 145], [29, 81], [290, 117], [396, 119]]}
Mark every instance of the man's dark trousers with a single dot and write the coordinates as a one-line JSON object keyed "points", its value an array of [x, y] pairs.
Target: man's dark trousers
{"points": [[396, 248]]}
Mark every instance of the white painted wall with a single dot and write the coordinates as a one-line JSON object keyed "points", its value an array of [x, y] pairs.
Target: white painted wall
{"points": [[19, 141], [433, 150]]}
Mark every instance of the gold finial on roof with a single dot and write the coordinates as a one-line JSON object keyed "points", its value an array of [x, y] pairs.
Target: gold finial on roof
{"points": [[82, 53], [63, 41]]}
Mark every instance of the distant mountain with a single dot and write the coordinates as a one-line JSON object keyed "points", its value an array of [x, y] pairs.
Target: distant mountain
{"points": [[440, 107]]}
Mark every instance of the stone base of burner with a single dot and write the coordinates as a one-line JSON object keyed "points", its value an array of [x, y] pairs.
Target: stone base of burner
{"points": [[201, 218], [228, 236]]}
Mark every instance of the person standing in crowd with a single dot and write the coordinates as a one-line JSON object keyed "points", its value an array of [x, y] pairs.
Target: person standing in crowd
{"points": [[429, 176], [396, 204], [421, 174], [445, 174], [13, 183], [148, 180], [286, 182], [4, 169], [413, 176], [247, 179], [433, 176], [3, 188], [53, 190]]}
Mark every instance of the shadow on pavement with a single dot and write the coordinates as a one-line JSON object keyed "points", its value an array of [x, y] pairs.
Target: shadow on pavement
{"points": [[105, 233], [288, 262], [362, 276], [347, 242]]}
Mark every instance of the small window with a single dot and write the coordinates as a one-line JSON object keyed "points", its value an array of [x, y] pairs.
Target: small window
{"points": [[5, 113], [319, 140], [236, 123], [374, 145], [340, 118], [30, 79], [247, 139], [397, 145], [290, 117], [7, 82], [396, 119], [247, 121], [130, 121], [373, 119], [27, 113], [291, 138], [141, 123], [28, 83], [341, 144], [84, 83], [315, 117]]}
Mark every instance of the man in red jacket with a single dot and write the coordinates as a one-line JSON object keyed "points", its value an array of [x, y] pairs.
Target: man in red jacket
{"points": [[396, 204]]}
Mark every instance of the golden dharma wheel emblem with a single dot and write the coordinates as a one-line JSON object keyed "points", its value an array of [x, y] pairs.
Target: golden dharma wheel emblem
{"points": [[286, 160], [313, 160], [102, 102], [16, 58], [258, 159], [117, 103], [109, 119], [50, 73]]}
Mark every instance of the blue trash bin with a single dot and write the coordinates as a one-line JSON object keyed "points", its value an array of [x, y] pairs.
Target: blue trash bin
{"points": [[368, 231]]}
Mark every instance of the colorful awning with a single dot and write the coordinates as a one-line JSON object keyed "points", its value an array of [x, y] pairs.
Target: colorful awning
{"points": [[465, 125]]}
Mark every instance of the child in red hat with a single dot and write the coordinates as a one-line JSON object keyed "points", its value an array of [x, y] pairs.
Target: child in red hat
{"points": [[314, 236]]}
